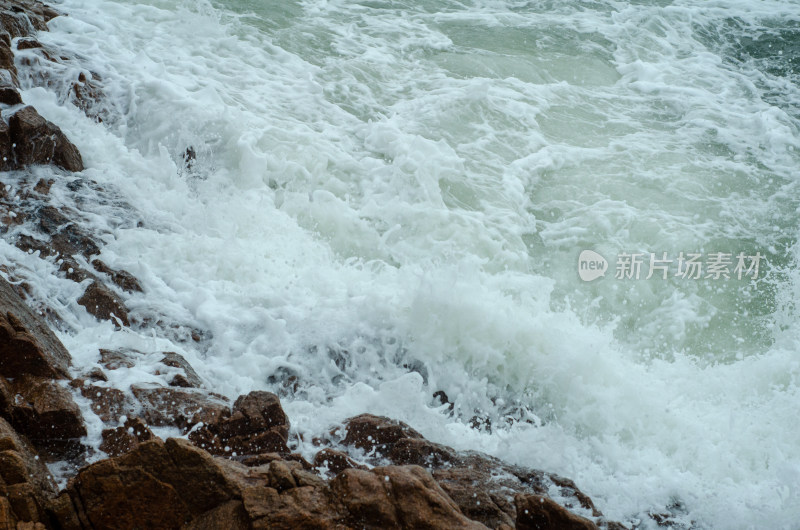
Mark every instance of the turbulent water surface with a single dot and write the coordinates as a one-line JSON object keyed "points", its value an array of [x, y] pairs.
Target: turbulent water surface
{"points": [[389, 199]]}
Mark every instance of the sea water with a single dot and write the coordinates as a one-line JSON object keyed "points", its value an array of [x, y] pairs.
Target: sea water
{"points": [[389, 198]]}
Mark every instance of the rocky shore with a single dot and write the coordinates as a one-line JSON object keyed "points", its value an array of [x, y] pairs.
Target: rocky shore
{"points": [[233, 465]]}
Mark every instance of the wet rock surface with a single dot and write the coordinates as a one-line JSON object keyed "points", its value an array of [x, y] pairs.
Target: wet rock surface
{"points": [[34, 140], [256, 424], [174, 484], [27, 345]]}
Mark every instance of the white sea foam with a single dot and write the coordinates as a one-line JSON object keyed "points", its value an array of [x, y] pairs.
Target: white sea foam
{"points": [[389, 199]]}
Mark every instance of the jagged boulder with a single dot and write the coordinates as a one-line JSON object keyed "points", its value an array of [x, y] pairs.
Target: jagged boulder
{"points": [[27, 346], [103, 303], [26, 486], [179, 407], [34, 140], [256, 424], [483, 487]]}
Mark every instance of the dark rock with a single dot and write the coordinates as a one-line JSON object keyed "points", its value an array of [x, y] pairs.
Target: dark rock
{"points": [[157, 485], [39, 141], [370, 432], [397, 497], [180, 381], [88, 96], [28, 43], [120, 358], [43, 186], [27, 346], [421, 452], [73, 271], [182, 408], [122, 279], [482, 486], [96, 374], [7, 60], [110, 404], [45, 412], [189, 378], [304, 508], [9, 96], [125, 438], [24, 477], [257, 424], [335, 461], [6, 156], [104, 304], [66, 238], [478, 495], [51, 220], [175, 485], [73, 240], [266, 458], [442, 399], [189, 158], [18, 23], [230, 516], [535, 512]]}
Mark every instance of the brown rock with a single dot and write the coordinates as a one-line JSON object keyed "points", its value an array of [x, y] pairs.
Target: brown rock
{"points": [[28, 43], [378, 433], [230, 516], [119, 358], [44, 411], [335, 461], [20, 20], [173, 484], [304, 508], [189, 378], [43, 186], [39, 141], [113, 496], [96, 374], [27, 346], [25, 483], [6, 156], [9, 96], [63, 510], [397, 497], [257, 424], [182, 408], [103, 304], [421, 452], [66, 237], [7, 59], [35, 472], [535, 512], [110, 404], [88, 95], [7, 518], [122, 279], [125, 438], [479, 496], [482, 486], [37, 12], [266, 458], [157, 485]]}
